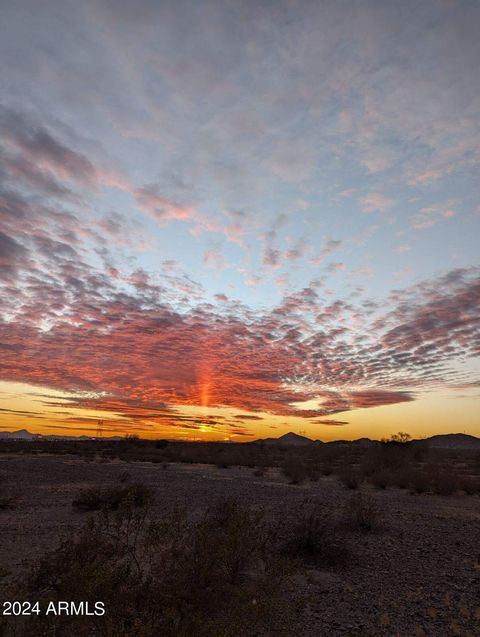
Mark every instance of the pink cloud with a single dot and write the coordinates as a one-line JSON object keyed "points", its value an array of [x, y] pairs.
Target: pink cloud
{"points": [[431, 215], [161, 208], [375, 202]]}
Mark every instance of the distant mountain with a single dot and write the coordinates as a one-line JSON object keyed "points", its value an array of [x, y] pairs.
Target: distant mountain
{"points": [[24, 434], [451, 441], [289, 439], [444, 441], [360, 442], [297, 440], [20, 434], [441, 441]]}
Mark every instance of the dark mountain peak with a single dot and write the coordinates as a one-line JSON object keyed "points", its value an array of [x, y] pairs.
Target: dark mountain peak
{"points": [[289, 438], [452, 441]]}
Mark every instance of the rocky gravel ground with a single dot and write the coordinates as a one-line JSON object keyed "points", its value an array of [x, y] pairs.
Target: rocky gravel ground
{"points": [[418, 575]]}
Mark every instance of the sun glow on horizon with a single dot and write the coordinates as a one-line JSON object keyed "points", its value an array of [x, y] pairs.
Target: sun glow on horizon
{"points": [[29, 407]]}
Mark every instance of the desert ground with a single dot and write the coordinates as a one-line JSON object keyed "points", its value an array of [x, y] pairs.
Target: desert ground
{"points": [[416, 574]]}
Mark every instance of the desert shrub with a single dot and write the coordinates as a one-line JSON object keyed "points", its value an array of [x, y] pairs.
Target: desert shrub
{"points": [[401, 477], [240, 535], [382, 479], [368, 467], [316, 538], [349, 478], [90, 499], [389, 455], [397, 477], [124, 476], [443, 485], [444, 482], [327, 468], [173, 577], [361, 513], [400, 437], [94, 499], [419, 482], [294, 469], [420, 451], [470, 485], [313, 473], [6, 502]]}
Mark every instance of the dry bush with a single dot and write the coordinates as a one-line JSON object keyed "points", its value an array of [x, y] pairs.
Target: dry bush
{"points": [[382, 478], [401, 477], [419, 482], [313, 472], [173, 577], [7, 501], [317, 538], [361, 513], [327, 468], [470, 485], [124, 476], [294, 469], [389, 456], [444, 481], [94, 499], [349, 478]]}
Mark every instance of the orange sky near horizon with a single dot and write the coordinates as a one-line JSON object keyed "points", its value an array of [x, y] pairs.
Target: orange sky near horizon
{"points": [[428, 415]]}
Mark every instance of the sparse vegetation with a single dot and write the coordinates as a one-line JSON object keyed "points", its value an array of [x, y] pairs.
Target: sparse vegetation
{"points": [[317, 537], [6, 502], [362, 513], [170, 577], [396, 462], [95, 499], [350, 478], [124, 476], [419, 482], [197, 572], [381, 479], [294, 469]]}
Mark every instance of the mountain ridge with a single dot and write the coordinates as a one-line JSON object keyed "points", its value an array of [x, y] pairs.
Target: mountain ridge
{"points": [[24, 434], [445, 441]]}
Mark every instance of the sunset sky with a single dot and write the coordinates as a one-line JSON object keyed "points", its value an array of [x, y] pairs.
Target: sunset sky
{"points": [[232, 219]]}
